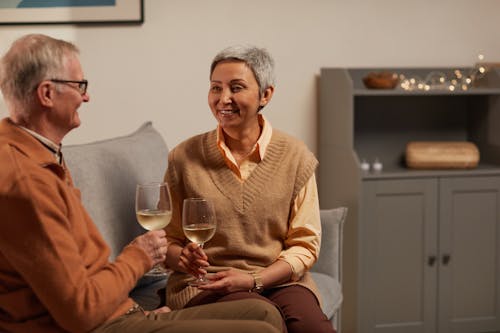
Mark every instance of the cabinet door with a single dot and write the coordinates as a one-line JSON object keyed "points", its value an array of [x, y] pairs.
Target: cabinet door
{"points": [[398, 242], [469, 273]]}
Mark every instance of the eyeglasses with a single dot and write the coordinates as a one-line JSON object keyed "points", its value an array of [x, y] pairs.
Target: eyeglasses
{"points": [[82, 85]]}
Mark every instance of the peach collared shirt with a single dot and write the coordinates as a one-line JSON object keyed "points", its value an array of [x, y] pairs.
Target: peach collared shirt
{"points": [[303, 240]]}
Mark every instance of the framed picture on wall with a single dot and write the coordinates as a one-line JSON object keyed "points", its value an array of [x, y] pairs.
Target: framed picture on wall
{"points": [[17, 12]]}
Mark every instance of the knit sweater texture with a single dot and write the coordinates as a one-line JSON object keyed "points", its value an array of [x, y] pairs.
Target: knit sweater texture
{"points": [[252, 216], [54, 270]]}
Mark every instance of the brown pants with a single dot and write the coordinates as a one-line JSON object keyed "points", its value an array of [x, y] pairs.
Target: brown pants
{"points": [[242, 316], [298, 305]]}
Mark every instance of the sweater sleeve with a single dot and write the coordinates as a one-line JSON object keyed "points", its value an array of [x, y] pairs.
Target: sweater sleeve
{"points": [[43, 235], [303, 240]]}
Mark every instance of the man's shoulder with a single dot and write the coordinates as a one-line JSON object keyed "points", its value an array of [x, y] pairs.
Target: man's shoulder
{"points": [[9, 154], [12, 162], [10, 148], [16, 164]]}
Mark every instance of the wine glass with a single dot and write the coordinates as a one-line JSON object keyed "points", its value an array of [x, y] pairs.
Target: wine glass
{"points": [[153, 211], [198, 223]]}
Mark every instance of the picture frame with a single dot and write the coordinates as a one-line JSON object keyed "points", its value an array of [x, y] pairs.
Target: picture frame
{"points": [[15, 12]]}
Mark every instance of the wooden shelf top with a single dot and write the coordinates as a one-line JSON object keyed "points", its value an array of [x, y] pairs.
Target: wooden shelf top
{"points": [[394, 172]]}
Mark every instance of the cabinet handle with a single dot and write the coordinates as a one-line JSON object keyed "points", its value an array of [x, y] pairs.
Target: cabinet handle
{"points": [[446, 259], [431, 260]]}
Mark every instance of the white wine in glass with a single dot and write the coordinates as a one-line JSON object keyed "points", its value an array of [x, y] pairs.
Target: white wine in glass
{"points": [[153, 211], [198, 223], [153, 219]]}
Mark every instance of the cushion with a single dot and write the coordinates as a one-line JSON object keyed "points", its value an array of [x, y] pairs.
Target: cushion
{"points": [[107, 172], [330, 259], [330, 291], [326, 271]]}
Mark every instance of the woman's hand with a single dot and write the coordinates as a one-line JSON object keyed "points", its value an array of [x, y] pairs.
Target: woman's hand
{"points": [[229, 281], [154, 243], [193, 259]]}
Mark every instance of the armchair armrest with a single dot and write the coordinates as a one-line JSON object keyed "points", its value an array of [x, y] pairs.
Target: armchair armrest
{"points": [[327, 271]]}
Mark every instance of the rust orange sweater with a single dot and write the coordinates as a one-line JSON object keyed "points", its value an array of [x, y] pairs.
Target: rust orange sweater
{"points": [[54, 270]]}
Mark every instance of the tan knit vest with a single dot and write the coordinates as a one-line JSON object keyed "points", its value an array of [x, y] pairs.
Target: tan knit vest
{"points": [[252, 216]]}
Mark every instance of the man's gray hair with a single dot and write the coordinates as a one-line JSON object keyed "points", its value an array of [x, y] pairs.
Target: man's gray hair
{"points": [[257, 59], [30, 60]]}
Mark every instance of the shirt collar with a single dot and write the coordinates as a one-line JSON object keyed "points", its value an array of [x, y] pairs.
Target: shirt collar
{"points": [[265, 136], [261, 144], [49, 144]]}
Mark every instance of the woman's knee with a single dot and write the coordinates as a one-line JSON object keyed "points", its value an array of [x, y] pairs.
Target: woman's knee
{"points": [[265, 311]]}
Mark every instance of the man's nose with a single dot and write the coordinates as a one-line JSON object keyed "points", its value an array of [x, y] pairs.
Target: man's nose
{"points": [[86, 97]]}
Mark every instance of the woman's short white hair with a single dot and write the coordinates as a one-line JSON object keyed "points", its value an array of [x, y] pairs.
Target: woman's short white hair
{"points": [[257, 59]]}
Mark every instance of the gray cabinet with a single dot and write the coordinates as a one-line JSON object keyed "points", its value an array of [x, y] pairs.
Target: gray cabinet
{"points": [[429, 255], [422, 247], [469, 255], [398, 232]]}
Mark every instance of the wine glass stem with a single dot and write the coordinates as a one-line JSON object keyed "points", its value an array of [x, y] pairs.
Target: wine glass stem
{"points": [[201, 277]]}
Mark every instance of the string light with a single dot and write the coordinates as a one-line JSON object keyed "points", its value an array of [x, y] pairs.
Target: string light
{"points": [[457, 80]]}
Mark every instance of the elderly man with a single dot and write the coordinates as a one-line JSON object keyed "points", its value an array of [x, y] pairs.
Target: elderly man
{"points": [[54, 270]]}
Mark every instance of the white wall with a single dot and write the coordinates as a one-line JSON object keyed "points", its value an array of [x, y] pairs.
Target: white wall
{"points": [[159, 71]]}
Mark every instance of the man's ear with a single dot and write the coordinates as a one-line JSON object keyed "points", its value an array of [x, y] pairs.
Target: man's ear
{"points": [[45, 93], [266, 96]]}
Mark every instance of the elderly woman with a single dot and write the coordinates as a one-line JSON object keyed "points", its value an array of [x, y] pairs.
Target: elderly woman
{"points": [[262, 183]]}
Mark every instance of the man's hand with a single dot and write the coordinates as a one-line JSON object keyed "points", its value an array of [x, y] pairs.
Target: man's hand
{"points": [[154, 243]]}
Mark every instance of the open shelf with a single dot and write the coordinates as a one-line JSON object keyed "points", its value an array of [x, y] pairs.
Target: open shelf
{"points": [[368, 124]]}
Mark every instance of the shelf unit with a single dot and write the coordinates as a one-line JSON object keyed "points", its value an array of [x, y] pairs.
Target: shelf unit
{"points": [[356, 123]]}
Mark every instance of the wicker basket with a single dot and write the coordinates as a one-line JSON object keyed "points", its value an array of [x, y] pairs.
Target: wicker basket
{"points": [[441, 155]]}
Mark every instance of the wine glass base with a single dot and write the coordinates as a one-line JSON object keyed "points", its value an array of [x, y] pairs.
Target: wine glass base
{"points": [[157, 271], [195, 282]]}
